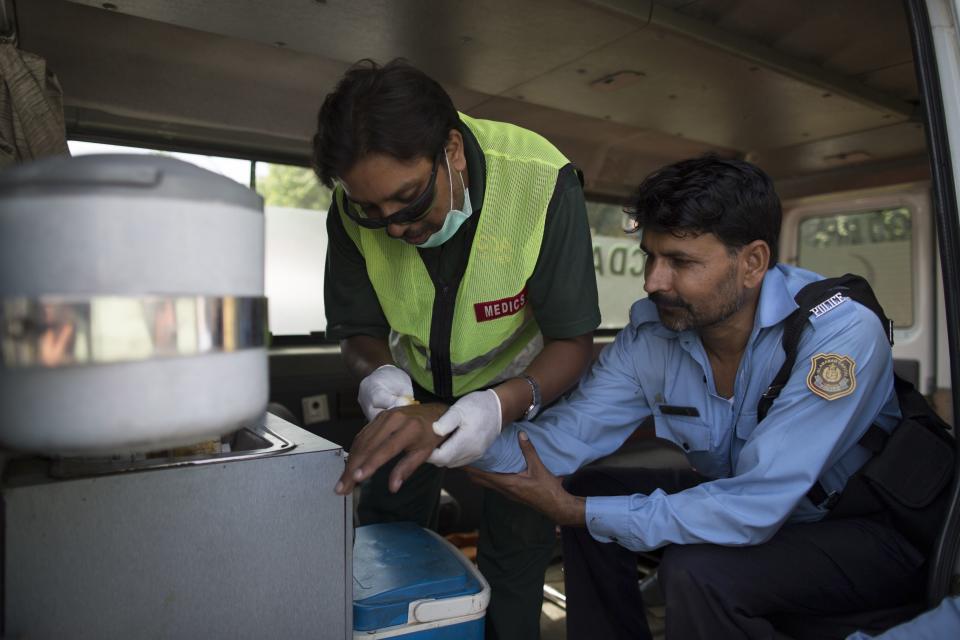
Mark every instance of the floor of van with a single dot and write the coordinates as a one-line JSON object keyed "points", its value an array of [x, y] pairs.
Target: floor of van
{"points": [[553, 618]]}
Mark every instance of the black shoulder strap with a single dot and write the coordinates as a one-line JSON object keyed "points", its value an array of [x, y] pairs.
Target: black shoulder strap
{"points": [[816, 299]]}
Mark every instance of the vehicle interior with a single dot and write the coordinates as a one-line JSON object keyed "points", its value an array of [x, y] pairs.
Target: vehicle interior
{"points": [[823, 95]]}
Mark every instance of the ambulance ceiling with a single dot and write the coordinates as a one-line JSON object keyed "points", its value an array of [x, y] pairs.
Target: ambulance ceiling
{"points": [[622, 86]]}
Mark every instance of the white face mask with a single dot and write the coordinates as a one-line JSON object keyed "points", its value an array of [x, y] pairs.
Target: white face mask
{"points": [[455, 217]]}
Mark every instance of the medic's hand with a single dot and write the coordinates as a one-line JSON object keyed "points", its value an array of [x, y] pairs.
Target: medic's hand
{"points": [[385, 388], [474, 421], [536, 487], [394, 431]]}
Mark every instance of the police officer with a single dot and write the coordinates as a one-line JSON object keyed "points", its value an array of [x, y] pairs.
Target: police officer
{"points": [[747, 552], [460, 277]]}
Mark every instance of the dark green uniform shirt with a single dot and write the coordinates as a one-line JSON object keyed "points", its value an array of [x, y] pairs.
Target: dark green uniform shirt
{"points": [[562, 289]]}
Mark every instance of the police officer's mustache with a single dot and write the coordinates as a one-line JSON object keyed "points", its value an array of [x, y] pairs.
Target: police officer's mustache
{"points": [[661, 300]]}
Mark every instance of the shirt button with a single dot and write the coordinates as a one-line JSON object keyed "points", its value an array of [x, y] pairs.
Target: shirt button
{"points": [[686, 446]]}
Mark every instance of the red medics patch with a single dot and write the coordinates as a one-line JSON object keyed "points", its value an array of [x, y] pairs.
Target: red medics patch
{"points": [[499, 308]]}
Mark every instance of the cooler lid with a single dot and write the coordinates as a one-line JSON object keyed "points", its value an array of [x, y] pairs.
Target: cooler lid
{"points": [[397, 563]]}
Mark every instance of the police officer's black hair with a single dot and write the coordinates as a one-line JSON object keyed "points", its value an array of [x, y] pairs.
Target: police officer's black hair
{"points": [[394, 109], [732, 199]]}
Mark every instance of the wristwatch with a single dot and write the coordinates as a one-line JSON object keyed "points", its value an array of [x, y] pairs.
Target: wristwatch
{"points": [[534, 407]]}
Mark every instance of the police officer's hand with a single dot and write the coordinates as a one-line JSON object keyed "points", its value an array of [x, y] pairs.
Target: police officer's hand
{"points": [[536, 487], [387, 387], [472, 423], [403, 429]]}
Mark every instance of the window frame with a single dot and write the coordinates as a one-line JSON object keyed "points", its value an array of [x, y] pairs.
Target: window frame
{"points": [[913, 197], [861, 211], [918, 341]]}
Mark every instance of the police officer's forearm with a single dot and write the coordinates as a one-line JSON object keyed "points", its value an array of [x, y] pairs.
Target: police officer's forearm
{"points": [[363, 354], [556, 369]]}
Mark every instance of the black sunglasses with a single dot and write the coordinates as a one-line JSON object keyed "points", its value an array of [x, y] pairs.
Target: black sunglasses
{"points": [[410, 213]]}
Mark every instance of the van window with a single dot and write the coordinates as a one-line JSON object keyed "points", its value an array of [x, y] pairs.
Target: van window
{"points": [[618, 263], [295, 206], [875, 244]]}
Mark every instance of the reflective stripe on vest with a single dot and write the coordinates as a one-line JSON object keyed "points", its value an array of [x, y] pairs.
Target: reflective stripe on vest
{"points": [[521, 176]]}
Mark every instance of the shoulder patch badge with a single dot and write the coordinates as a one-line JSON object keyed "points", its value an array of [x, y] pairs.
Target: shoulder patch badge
{"points": [[832, 376]]}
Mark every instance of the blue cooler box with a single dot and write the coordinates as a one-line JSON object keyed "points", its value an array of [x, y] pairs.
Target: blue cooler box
{"points": [[409, 582]]}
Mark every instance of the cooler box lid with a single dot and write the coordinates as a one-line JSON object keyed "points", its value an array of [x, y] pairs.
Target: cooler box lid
{"points": [[397, 563]]}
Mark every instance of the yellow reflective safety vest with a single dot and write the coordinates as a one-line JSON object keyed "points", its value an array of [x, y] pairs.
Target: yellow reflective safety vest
{"points": [[454, 338]]}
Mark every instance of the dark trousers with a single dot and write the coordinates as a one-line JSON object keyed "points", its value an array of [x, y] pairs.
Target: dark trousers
{"points": [[819, 580], [516, 544]]}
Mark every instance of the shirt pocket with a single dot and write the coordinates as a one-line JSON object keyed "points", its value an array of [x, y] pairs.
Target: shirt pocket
{"points": [[691, 434]]}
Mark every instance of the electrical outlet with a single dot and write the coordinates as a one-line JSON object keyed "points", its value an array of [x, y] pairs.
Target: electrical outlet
{"points": [[315, 409]]}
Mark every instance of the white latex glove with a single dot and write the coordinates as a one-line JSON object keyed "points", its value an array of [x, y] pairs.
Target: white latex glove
{"points": [[476, 418], [385, 388]]}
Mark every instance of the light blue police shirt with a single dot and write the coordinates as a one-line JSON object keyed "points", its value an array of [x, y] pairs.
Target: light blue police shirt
{"points": [[759, 473]]}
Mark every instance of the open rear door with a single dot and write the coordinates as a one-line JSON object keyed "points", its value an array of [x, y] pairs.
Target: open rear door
{"points": [[936, 49]]}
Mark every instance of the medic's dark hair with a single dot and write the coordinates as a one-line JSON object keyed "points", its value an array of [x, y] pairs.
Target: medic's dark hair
{"points": [[394, 109], [732, 199]]}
